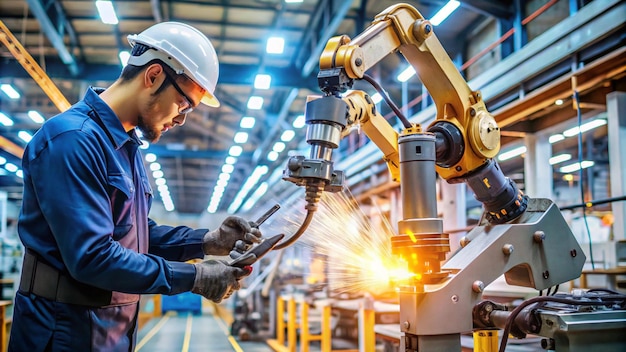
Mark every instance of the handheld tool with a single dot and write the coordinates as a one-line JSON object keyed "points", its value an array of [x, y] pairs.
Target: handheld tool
{"points": [[267, 214], [257, 252], [267, 244]]}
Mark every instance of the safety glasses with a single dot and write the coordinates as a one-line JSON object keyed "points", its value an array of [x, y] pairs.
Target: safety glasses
{"points": [[187, 105]]}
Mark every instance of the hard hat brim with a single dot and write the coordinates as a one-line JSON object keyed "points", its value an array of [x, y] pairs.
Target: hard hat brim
{"points": [[210, 100]]}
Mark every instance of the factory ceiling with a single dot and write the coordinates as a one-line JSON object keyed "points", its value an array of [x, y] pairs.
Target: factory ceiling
{"points": [[76, 49]]}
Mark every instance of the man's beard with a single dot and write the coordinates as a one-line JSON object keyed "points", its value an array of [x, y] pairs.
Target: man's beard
{"points": [[150, 133]]}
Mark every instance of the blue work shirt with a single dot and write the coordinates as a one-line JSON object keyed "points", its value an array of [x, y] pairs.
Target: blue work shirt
{"points": [[85, 212]]}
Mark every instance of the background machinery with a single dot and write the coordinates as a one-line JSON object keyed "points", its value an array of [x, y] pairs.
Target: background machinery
{"points": [[523, 238]]}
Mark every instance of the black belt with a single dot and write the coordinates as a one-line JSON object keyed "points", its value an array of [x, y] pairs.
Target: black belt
{"points": [[41, 279]]}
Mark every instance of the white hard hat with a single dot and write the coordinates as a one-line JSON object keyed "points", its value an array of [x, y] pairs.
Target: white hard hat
{"points": [[184, 49]]}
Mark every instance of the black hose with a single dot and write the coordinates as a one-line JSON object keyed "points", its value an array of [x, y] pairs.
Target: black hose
{"points": [[305, 224], [591, 203], [388, 100]]}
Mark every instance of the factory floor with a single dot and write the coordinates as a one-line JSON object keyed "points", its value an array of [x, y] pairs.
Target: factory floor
{"points": [[207, 332], [188, 332]]}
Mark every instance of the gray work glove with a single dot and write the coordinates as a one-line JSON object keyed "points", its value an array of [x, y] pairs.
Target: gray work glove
{"points": [[216, 280], [235, 233]]}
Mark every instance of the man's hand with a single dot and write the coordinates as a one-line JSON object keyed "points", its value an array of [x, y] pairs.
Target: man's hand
{"points": [[235, 233], [216, 280]]}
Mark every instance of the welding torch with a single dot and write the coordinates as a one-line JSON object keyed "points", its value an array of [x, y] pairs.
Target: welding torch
{"points": [[325, 123]]}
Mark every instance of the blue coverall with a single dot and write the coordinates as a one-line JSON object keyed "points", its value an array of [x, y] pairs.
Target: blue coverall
{"points": [[85, 213]]}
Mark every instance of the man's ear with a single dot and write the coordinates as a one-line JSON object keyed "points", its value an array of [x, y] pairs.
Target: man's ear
{"points": [[151, 75]]}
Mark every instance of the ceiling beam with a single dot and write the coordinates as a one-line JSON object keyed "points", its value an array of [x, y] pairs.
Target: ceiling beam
{"points": [[55, 25], [328, 29], [233, 74], [489, 8]]}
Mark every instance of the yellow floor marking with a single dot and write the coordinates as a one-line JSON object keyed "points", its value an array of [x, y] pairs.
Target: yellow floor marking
{"points": [[231, 339], [187, 333], [152, 332]]}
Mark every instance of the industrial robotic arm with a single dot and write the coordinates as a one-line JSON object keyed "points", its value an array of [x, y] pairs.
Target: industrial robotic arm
{"points": [[467, 136], [525, 239]]}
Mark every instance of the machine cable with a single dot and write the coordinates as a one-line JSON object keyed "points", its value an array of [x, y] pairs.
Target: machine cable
{"points": [[293, 238], [392, 105]]}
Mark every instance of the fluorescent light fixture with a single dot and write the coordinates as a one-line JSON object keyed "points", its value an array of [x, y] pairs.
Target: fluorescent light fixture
{"points": [[25, 136], [230, 160], [272, 156], [241, 137], [235, 150], [218, 191], [227, 168], [222, 183], [299, 122], [160, 181], [278, 147], [163, 189], [3, 160], [11, 167], [512, 153], [36, 116], [560, 158], [5, 120], [9, 91], [556, 138], [262, 81], [150, 157], [255, 103], [287, 135], [275, 45], [144, 145], [106, 12], [406, 74], [377, 98], [224, 177], [157, 174], [444, 12], [19, 173], [247, 122], [584, 127], [292, 1], [576, 166], [155, 166], [124, 55]]}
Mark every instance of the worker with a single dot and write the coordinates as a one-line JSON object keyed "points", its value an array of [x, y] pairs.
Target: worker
{"points": [[91, 249]]}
